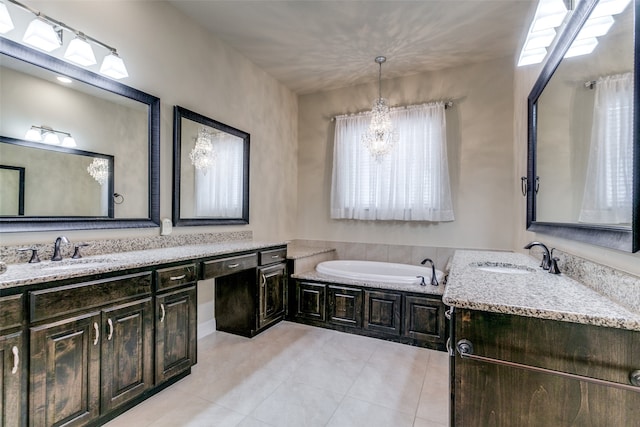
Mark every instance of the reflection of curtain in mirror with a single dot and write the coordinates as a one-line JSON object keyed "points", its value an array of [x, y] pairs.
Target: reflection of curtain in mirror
{"points": [[219, 191], [609, 181]]}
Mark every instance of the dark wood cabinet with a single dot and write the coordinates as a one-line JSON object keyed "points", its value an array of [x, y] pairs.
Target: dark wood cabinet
{"points": [[382, 312], [345, 306], [272, 299], [310, 301], [65, 371], [12, 362], [424, 320], [486, 393], [127, 352], [176, 334]]}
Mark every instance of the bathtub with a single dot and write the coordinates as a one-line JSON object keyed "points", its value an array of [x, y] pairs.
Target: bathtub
{"points": [[377, 272]]}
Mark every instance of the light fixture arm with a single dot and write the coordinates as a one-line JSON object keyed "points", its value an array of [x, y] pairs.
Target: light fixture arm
{"points": [[380, 60]]}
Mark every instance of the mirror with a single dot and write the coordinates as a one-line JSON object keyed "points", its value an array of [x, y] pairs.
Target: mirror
{"points": [[107, 119], [11, 190], [48, 189], [210, 171], [583, 167]]}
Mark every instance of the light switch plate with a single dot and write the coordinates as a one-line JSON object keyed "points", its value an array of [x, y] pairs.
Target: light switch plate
{"points": [[166, 227]]}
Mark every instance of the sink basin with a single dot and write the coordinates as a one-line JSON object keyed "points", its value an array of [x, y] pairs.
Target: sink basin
{"points": [[73, 264], [503, 268]]}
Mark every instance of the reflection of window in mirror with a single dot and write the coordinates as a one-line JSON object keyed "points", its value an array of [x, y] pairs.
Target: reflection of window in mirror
{"points": [[609, 185]]}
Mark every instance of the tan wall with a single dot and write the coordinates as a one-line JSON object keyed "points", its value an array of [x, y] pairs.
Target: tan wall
{"points": [[480, 148], [169, 56]]}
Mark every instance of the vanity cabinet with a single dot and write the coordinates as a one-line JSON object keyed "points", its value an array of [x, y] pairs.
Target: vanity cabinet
{"points": [[12, 357], [490, 393], [91, 348], [176, 318], [406, 317], [272, 298]]}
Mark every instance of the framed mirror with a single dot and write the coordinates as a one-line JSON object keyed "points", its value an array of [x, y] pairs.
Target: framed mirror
{"points": [[107, 119], [210, 171], [583, 174], [11, 190]]}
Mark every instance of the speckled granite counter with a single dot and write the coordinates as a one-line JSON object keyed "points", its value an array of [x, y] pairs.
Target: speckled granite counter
{"points": [[27, 274], [535, 294], [315, 276], [297, 251]]}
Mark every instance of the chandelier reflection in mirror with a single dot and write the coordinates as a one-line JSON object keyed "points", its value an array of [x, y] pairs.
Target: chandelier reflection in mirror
{"points": [[202, 155], [99, 170], [380, 137]]}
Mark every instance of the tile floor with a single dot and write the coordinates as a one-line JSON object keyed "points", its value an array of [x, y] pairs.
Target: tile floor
{"points": [[297, 375]]}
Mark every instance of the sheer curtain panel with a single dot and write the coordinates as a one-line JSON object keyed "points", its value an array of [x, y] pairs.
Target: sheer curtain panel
{"points": [[608, 186], [410, 184]]}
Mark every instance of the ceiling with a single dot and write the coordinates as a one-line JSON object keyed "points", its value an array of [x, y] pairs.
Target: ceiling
{"points": [[316, 45]]}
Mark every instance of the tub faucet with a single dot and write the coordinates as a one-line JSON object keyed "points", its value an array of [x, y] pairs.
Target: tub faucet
{"points": [[57, 256], [434, 279]]}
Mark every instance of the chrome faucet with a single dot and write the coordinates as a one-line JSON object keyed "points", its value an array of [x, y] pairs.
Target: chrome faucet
{"points": [[434, 279], [548, 262], [57, 256]]}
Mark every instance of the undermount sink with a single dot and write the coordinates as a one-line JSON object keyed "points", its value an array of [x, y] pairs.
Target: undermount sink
{"points": [[503, 268], [72, 264]]}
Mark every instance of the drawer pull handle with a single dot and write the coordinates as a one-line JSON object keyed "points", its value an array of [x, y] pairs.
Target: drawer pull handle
{"points": [[448, 313], [97, 329], [275, 256], [234, 265], [16, 359], [465, 348], [110, 330], [173, 278], [163, 313]]}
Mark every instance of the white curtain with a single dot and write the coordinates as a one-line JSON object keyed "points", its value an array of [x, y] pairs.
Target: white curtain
{"points": [[410, 184], [219, 190], [609, 187]]}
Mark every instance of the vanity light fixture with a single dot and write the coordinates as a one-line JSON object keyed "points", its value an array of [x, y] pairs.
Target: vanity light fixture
{"points": [[99, 170], [80, 52], [47, 135], [202, 155], [380, 137], [549, 15], [581, 47], [6, 24], [45, 33]]}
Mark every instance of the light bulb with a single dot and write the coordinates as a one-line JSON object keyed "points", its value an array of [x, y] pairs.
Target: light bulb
{"points": [[6, 24], [80, 52], [113, 66], [41, 35]]}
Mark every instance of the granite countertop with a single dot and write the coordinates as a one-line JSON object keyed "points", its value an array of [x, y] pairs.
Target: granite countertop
{"points": [[47, 271], [297, 251], [534, 294], [318, 277]]}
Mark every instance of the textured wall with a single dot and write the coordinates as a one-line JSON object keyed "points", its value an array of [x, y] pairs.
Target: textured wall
{"points": [[169, 56], [480, 149]]}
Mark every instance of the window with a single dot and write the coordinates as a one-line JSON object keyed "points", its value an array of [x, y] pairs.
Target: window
{"points": [[410, 184]]}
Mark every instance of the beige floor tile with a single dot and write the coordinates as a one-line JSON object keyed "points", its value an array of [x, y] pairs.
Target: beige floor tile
{"points": [[419, 422], [349, 347], [434, 398], [252, 422], [328, 371], [356, 413], [294, 404], [199, 413]]}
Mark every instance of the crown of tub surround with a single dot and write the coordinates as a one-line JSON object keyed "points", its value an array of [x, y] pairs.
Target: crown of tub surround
{"points": [[403, 254], [536, 294], [11, 255], [48, 271]]}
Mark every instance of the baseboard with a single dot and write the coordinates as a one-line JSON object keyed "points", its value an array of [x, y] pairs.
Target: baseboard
{"points": [[206, 328]]}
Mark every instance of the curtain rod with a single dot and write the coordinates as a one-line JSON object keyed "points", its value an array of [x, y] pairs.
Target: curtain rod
{"points": [[447, 105]]}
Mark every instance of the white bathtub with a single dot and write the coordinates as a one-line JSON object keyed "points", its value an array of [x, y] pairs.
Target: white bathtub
{"points": [[377, 272]]}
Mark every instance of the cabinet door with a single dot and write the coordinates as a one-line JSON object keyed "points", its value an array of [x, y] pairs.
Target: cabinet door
{"points": [[424, 319], [12, 391], [382, 312], [345, 306], [311, 300], [175, 332], [273, 282], [127, 352], [65, 372]]}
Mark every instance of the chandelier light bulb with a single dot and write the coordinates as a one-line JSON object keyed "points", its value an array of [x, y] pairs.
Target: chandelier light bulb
{"points": [[6, 24], [99, 170], [380, 137], [202, 155]]}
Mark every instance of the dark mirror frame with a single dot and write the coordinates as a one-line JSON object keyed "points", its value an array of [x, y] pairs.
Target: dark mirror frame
{"points": [[621, 238], [21, 172], [178, 114], [32, 56], [58, 149]]}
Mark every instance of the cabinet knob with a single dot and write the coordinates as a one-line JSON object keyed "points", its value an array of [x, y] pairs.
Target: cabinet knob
{"points": [[16, 359], [634, 378]]}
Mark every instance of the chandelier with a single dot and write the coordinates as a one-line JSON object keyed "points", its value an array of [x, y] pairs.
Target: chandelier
{"points": [[202, 155], [380, 137], [99, 170]]}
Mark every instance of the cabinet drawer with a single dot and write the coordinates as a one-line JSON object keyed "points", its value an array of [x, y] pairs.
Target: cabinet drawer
{"points": [[225, 266], [84, 296], [273, 256], [167, 278], [11, 309]]}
